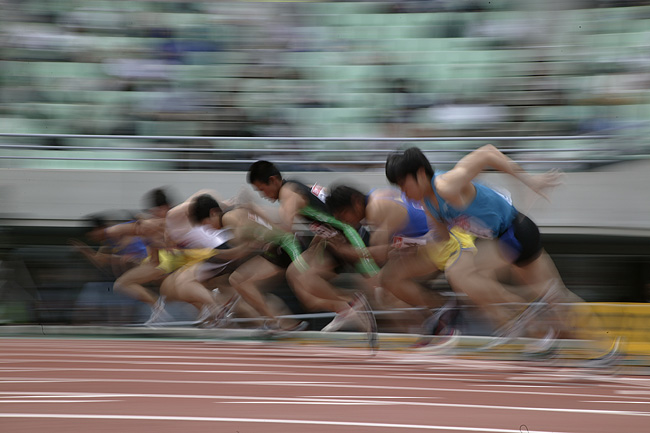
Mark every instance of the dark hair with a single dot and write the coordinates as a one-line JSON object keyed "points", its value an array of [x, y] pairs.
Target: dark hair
{"points": [[157, 197], [95, 221], [342, 197], [262, 171], [399, 165], [201, 207]]}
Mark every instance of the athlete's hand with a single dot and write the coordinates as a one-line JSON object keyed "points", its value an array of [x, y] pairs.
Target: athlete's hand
{"points": [[80, 246], [77, 244], [543, 182]]}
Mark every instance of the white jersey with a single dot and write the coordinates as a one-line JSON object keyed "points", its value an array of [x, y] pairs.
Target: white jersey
{"points": [[205, 237]]}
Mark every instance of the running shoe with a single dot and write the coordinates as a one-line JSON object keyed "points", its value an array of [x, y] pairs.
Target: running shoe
{"points": [[443, 318], [544, 348], [611, 358], [204, 317], [362, 307], [438, 343], [340, 319], [517, 326], [223, 316], [272, 329], [158, 314]]}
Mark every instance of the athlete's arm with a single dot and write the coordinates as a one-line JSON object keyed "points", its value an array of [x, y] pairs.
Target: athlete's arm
{"points": [[436, 227], [98, 258], [153, 230], [386, 218], [119, 231], [455, 186], [291, 202]]}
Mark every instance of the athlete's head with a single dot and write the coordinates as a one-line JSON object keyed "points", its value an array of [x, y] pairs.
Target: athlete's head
{"points": [[205, 210], [347, 205], [96, 228], [265, 178], [158, 202], [410, 170]]}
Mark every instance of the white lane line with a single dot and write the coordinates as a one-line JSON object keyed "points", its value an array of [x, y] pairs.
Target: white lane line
{"points": [[269, 420], [447, 378], [444, 378], [309, 384], [315, 403], [471, 406], [362, 397], [348, 401], [434, 364], [302, 352], [507, 385], [638, 392], [287, 363], [344, 399], [29, 357], [56, 401], [53, 395], [616, 401]]}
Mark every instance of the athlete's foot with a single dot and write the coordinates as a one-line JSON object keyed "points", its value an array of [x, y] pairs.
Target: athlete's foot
{"points": [[222, 317], [517, 326], [544, 348], [611, 358], [204, 317], [362, 307], [158, 314], [341, 319], [273, 329], [438, 343], [443, 318]]}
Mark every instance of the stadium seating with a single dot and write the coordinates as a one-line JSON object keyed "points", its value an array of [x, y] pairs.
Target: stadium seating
{"points": [[337, 80]]}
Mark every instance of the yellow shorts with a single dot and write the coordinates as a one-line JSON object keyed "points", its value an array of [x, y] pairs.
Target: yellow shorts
{"points": [[445, 254], [171, 260]]}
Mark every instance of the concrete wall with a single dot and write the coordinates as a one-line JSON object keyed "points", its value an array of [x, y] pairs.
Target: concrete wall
{"points": [[609, 201]]}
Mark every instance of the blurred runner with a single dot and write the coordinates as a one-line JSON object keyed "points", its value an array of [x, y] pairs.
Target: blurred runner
{"points": [[454, 198], [400, 240], [296, 201]]}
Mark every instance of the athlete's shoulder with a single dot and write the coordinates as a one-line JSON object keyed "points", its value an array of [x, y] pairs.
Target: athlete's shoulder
{"points": [[386, 192]]}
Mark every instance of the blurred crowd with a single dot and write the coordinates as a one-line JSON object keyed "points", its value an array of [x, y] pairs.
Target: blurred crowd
{"points": [[422, 68]]}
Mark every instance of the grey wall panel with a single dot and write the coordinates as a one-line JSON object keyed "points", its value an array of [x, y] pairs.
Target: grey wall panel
{"points": [[615, 199]]}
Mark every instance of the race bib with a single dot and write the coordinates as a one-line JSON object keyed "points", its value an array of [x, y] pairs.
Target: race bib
{"points": [[259, 220], [319, 191], [404, 242], [323, 230]]}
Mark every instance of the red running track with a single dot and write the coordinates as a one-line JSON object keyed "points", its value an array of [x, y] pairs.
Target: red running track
{"points": [[56, 385]]}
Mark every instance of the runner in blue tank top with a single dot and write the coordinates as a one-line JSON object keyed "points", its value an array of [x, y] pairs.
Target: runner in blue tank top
{"points": [[454, 198], [398, 225]]}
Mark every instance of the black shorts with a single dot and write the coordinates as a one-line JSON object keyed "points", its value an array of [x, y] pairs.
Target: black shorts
{"points": [[521, 241], [276, 255], [213, 268]]}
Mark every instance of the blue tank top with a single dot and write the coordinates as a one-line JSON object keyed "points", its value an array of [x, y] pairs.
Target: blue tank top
{"points": [[417, 218], [488, 216], [136, 248]]}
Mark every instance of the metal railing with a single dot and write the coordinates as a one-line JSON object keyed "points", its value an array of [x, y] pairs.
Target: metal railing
{"points": [[589, 155]]}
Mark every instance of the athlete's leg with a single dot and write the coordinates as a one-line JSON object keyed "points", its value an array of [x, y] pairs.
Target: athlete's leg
{"points": [[183, 285], [131, 282], [482, 289], [399, 276], [312, 286], [248, 276]]}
